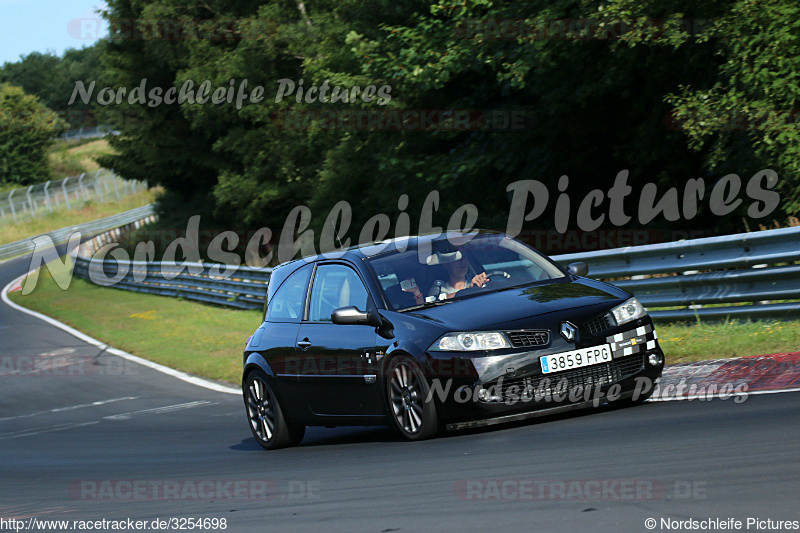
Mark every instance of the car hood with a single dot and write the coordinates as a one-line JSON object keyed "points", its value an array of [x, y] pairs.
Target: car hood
{"points": [[495, 309]]}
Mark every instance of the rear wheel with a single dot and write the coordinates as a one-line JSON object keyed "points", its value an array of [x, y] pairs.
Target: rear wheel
{"points": [[264, 413], [407, 391]]}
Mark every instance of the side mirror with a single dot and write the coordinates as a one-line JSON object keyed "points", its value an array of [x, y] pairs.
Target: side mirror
{"points": [[578, 269], [352, 316]]}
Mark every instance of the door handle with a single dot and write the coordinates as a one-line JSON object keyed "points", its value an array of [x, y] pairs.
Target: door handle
{"points": [[304, 344]]}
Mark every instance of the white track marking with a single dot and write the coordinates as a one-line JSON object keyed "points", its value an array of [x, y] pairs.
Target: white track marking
{"points": [[58, 352], [42, 368], [158, 410], [194, 380], [729, 396], [49, 429], [70, 408]]}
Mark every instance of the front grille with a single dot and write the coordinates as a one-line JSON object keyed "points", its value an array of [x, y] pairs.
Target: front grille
{"points": [[526, 339], [582, 378], [597, 325]]}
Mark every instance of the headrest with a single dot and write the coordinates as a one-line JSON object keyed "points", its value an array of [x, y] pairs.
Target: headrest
{"points": [[441, 258]]}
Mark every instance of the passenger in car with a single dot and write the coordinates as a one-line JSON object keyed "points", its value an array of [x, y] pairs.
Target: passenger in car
{"points": [[406, 293]]}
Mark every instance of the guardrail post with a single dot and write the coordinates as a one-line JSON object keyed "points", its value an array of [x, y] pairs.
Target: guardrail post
{"points": [[30, 200], [11, 204], [47, 196], [97, 186], [64, 190]]}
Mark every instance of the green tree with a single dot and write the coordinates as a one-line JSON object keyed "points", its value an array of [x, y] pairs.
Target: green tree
{"points": [[590, 79], [157, 143], [591, 107], [37, 74], [745, 117], [27, 129], [52, 79]]}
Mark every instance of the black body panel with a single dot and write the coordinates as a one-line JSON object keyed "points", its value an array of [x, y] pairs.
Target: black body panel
{"points": [[331, 374]]}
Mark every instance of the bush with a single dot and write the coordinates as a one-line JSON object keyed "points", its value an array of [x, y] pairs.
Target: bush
{"points": [[27, 129]]}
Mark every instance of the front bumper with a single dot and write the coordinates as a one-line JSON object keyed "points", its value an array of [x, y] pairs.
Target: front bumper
{"points": [[512, 386]]}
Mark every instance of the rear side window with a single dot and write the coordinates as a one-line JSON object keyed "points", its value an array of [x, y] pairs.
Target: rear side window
{"points": [[287, 303]]}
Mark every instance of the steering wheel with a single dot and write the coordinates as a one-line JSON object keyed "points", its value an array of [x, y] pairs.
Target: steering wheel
{"points": [[498, 273]]}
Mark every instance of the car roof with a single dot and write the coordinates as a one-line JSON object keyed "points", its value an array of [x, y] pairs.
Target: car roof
{"points": [[388, 246]]}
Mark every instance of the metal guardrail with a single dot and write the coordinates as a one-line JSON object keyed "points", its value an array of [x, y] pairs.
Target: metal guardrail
{"points": [[138, 215], [245, 289], [741, 250], [752, 269], [747, 271], [85, 133]]}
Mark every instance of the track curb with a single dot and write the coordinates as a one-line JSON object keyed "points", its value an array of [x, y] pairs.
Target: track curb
{"points": [[738, 376]]}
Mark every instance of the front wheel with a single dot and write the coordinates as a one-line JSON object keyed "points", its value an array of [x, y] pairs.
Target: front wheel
{"points": [[407, 391], [264, 413]]}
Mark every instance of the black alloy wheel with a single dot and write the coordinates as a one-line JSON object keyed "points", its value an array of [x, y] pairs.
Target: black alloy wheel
{"points": [[264, 412], [413, 414]]}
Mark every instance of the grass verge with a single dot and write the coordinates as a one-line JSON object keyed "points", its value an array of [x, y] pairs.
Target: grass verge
{"points": [[208, 341], [72, 158], [199, 339], [684, 343], [62, 217]]}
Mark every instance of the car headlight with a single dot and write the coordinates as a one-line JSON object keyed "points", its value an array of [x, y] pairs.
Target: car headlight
{"points": [[470, 342], [630, 310]]}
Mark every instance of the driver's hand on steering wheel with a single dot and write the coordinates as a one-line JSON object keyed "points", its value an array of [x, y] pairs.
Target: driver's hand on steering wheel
{"points": [[480, 280]]}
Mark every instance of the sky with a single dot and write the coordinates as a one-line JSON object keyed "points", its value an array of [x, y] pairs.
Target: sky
{"points": [[48, 25]]}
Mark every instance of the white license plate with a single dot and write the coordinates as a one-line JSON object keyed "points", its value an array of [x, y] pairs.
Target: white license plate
{"points": [[576, 358]]}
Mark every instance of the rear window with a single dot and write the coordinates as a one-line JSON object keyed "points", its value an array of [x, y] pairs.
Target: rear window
{"points": [[287, 303]]}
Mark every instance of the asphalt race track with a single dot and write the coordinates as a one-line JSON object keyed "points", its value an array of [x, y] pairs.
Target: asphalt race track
{"points": [[115, 440]]}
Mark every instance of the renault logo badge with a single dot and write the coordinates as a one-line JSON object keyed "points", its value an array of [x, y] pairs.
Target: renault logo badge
{"points": [[569, 331]]}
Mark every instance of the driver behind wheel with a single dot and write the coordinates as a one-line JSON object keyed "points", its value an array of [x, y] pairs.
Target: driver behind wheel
{"points": [[457, 267]]}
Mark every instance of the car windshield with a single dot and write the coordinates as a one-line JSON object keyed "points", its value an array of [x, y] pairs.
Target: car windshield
{"points": [[446, 269]]}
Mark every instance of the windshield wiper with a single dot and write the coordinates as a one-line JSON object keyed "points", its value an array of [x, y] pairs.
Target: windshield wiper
{"points": [[426, 305]]}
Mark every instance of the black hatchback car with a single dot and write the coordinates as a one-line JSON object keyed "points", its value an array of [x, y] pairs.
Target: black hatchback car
{"points": [[446, 331]]}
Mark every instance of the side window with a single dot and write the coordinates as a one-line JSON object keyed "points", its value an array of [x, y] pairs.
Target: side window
{"points": [[335, 286], [287, 303]]}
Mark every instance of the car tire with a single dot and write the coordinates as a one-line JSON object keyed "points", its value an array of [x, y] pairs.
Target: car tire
{"points": [[264, 413], [406, 392]]}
